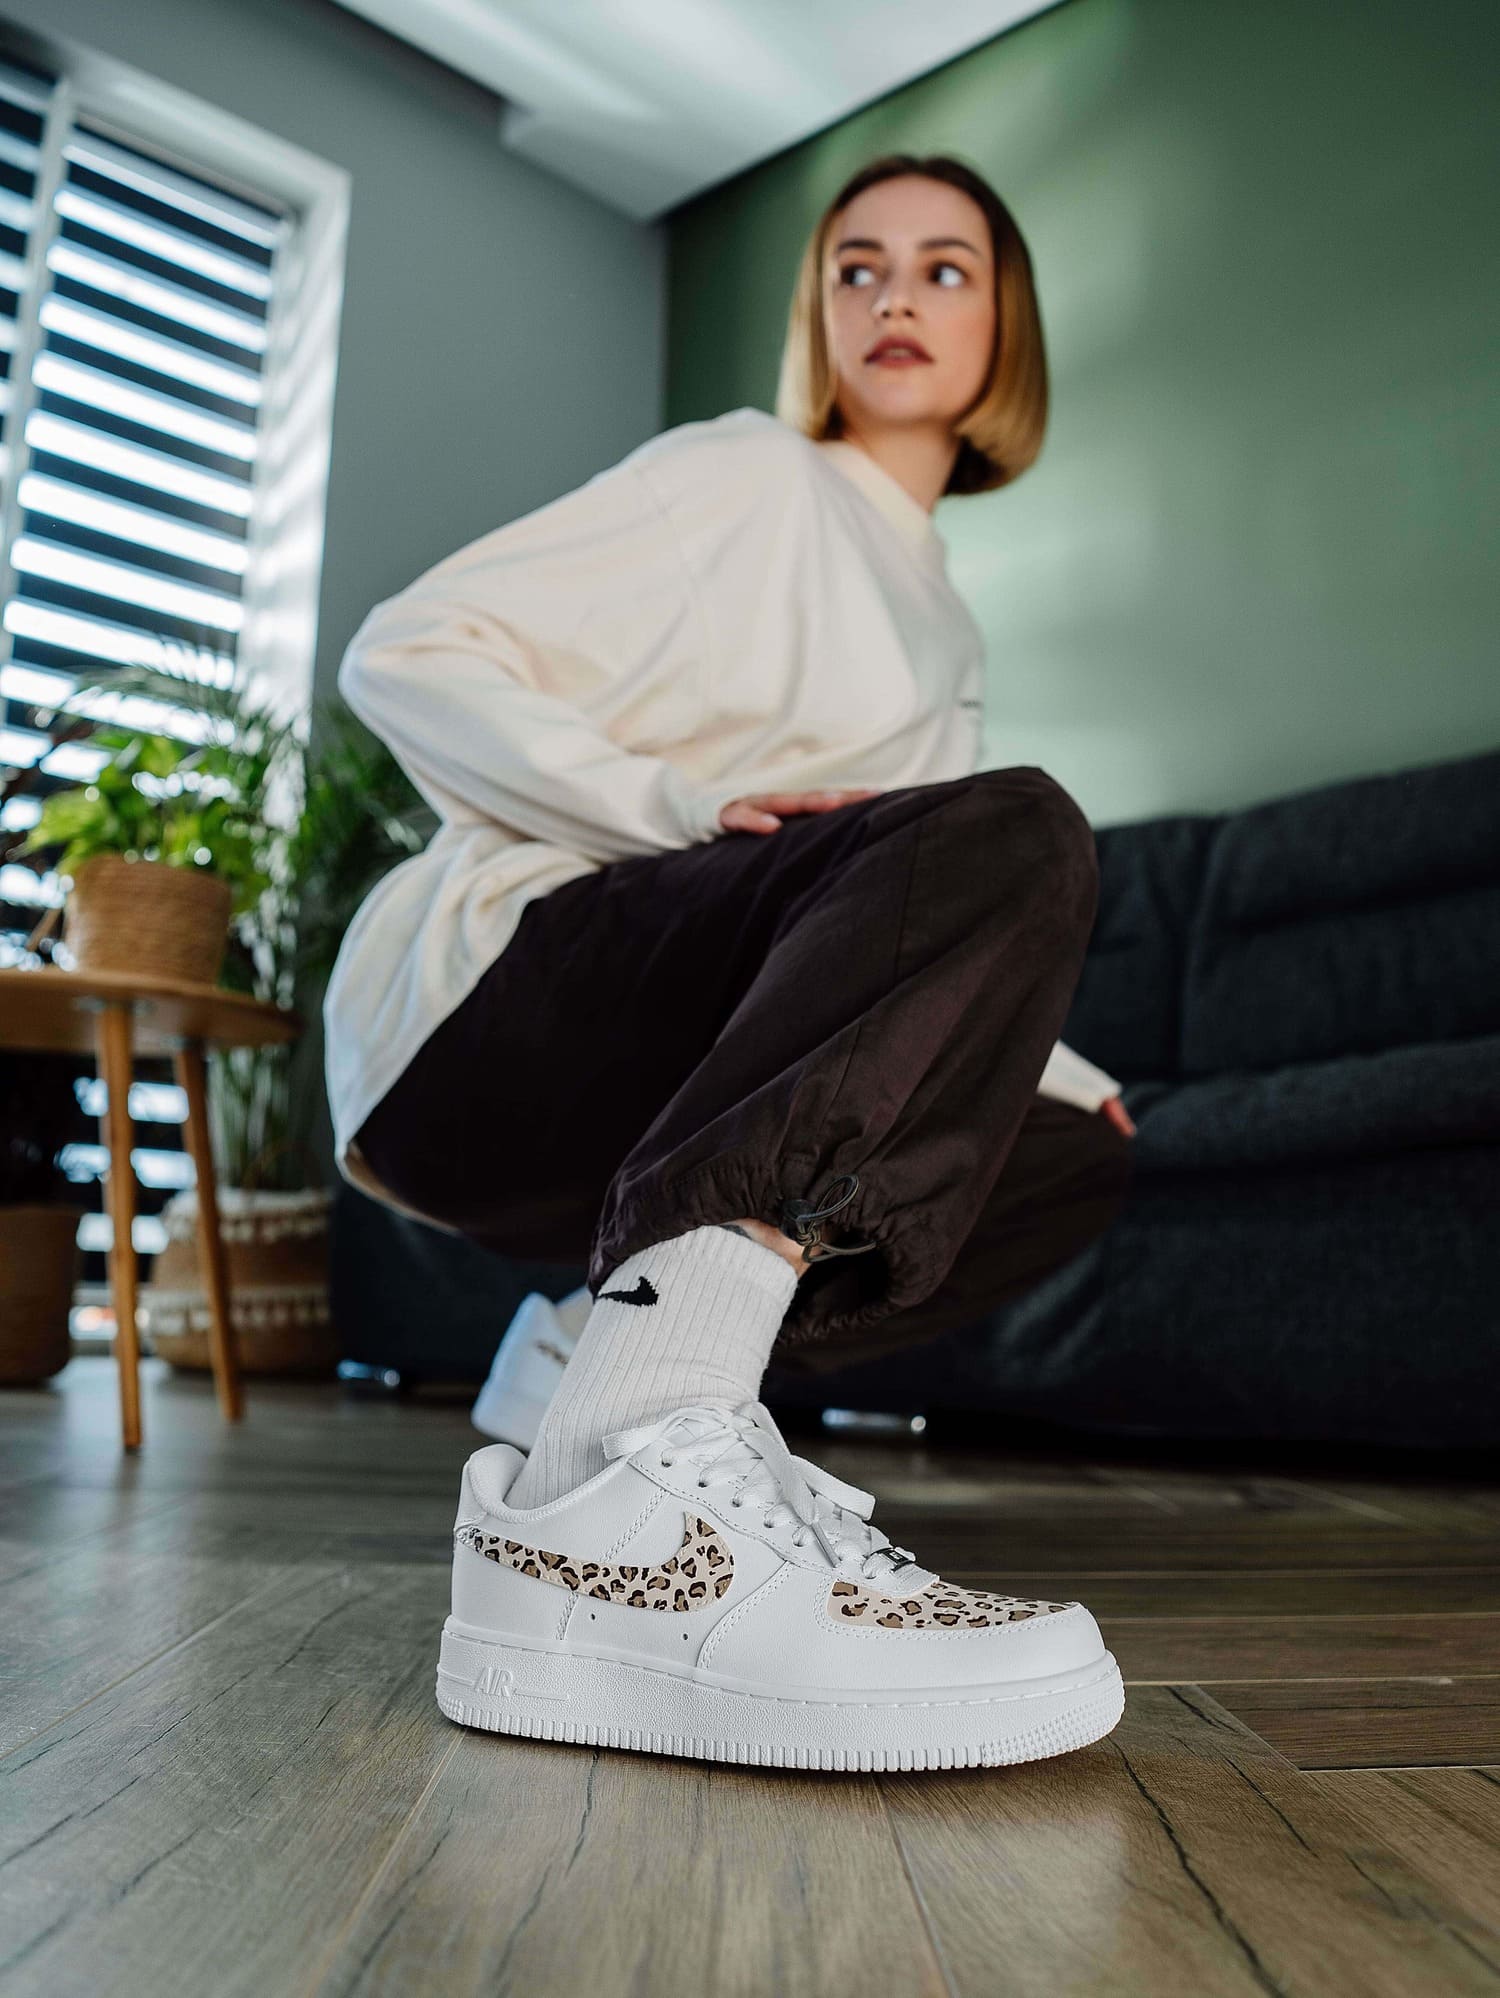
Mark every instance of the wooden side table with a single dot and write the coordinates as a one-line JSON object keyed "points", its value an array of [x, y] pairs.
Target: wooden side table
{"points": [[116, 1017]]}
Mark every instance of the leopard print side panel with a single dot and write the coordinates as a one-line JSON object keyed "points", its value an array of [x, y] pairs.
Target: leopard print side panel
{"points": [[698, 1573], [702, 1569], [938, 1606]]}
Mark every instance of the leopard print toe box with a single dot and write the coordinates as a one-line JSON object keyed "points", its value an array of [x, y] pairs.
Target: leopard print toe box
{"points": [[937, 1606]]}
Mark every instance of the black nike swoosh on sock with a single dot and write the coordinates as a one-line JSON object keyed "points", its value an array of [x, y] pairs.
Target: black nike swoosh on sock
{"points": [[642, 1294]]}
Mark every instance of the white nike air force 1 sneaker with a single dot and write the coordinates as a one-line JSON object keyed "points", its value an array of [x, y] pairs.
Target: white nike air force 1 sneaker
{"points": [[710, 1594], [528, 1364]]}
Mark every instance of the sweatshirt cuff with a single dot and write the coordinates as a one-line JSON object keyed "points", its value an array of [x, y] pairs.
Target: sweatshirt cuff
{"points": [[705, 817], [1069, 1078], [697, 815]]}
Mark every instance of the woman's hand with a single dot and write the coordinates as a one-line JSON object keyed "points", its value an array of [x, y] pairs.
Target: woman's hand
{"points": [[763, 811], [1114, 1109]]}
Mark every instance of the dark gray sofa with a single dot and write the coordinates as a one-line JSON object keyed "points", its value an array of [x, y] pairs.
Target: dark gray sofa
{"points": [[1302, 1000]]}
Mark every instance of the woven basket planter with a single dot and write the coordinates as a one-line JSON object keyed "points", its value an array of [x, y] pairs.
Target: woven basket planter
{"points": [[39, 1264], [276, 1250], [147, 919]]}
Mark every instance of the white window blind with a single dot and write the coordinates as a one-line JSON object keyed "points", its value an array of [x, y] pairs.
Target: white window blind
{"points": [[171, 283], [137, 338]]}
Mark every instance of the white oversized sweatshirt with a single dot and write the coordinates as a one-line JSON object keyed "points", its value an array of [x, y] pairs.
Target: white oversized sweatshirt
{"points": [[733, 607]]}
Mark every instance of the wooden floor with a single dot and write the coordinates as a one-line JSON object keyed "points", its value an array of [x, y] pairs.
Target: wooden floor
{"points": [[222, 1769]]}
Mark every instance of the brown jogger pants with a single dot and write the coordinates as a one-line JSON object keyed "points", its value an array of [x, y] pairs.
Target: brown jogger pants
{"points": [[696, 1036]]}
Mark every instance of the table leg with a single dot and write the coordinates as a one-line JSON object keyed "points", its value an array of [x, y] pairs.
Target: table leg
{"points": [[222, 1346], [112, 1036]]}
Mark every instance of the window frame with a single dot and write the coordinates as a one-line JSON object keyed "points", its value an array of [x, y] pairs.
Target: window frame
{"points": [[277, 645]]}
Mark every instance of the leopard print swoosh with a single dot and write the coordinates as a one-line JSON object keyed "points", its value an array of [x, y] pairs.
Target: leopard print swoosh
{"points": [[697, 1574]]}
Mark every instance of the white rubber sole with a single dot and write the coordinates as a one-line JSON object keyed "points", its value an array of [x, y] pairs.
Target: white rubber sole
{"points": [[549, 1695]]}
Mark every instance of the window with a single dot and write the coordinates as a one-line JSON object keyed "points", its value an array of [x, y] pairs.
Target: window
{"points": [[170, 285], [168, 320]]}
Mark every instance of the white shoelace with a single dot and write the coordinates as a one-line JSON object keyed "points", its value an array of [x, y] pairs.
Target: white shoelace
{"points": [[741, 1445]]}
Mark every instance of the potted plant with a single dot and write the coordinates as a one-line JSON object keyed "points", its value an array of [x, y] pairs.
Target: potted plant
{"points": [[162, 848], [220, 781], [306, 827], [39, 1217]]}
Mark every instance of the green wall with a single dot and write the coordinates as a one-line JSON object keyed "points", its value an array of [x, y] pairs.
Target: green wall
{"points": [[1257, 552]]}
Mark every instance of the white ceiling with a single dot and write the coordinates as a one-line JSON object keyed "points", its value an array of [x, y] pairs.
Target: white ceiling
{"points": [[644, 103]]}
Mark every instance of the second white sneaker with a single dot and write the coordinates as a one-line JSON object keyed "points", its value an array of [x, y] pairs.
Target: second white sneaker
{"points": [[528, 1364], [710, 1594]]}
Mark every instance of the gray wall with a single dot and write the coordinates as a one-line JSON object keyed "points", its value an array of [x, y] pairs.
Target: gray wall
{"points": [[501, 337]]}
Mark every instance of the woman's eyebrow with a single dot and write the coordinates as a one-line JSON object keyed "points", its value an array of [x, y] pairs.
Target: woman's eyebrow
{"points": [[930, 243]]}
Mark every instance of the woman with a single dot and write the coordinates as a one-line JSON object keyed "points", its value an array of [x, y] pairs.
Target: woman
{"points": [[729, 970]]}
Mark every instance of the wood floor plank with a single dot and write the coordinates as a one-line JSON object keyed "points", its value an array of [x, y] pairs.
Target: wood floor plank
{"points": [[375, 1524], [50, 1512], [1181, 1858], [1234, 1489], [248, 1467], [204, 1826], [1444, 1823], [1204, 1544], [1315, 1592], [295, 1434], [1373, 1723], [76, 1627], [1205, 1649], [1028, 1492], [543, 1867], [365, 1518], [1467, 1507], [1232, 1480]]}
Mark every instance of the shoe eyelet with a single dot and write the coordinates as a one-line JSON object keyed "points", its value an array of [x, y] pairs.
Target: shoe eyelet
{"points": [[664, 1461], [736, 1501], [703, 1484]]}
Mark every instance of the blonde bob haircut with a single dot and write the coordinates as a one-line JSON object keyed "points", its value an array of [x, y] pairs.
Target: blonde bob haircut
{"points": [[1001, 434]]}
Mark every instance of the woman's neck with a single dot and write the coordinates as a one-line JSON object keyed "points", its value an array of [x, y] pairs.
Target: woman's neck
{"points": [[919, 458]]}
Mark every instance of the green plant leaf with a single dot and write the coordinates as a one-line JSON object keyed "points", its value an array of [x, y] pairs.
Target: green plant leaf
{"points": [[160, 755], [67, 815]]}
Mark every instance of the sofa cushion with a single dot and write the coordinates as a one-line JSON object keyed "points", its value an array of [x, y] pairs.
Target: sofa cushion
{"points": [[1357, 1106], [1125, 1010], [1360, 916]]}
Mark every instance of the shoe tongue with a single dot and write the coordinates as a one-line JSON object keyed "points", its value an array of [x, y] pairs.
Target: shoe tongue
{"points": [[696, 1424], [702, 1419]]}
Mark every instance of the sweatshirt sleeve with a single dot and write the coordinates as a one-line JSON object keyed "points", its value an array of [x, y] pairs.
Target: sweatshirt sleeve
{"points": [[1071, 1079], [510, 678]]}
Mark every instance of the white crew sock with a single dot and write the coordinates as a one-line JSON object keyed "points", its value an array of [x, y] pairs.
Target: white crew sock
{"points": [[689, 1319]]}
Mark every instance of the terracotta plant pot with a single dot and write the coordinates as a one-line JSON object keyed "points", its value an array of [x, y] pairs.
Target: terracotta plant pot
{"points": [[39, 1265], [147, 919], [276, 1249]]}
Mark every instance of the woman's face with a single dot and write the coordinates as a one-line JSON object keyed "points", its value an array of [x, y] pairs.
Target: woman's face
{"points": [[910, 258]]}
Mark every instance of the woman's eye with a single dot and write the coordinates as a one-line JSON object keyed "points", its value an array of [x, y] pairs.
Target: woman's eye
{"points": [[849, 271]]}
